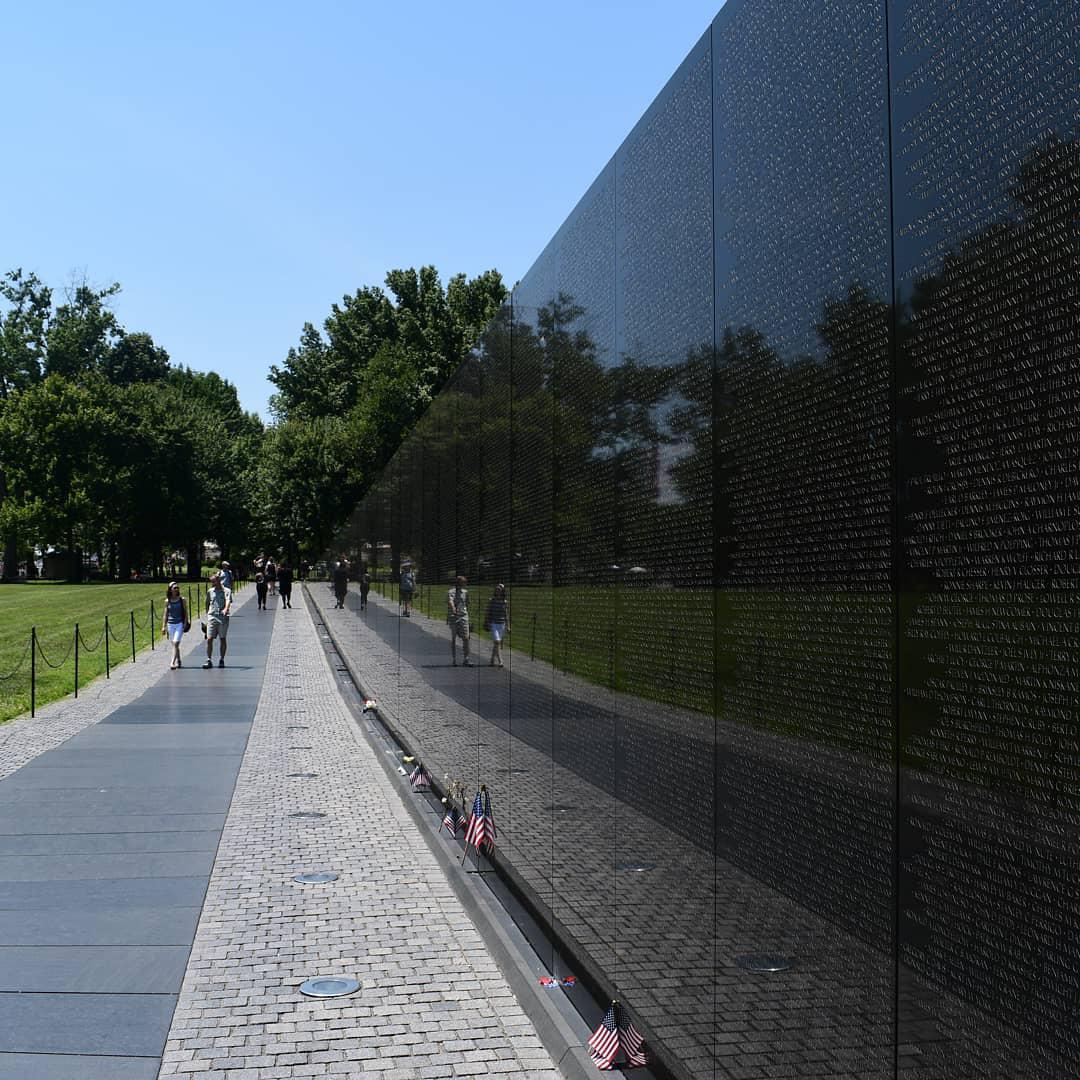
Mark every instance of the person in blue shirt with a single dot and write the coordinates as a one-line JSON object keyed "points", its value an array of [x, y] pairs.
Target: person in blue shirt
{"points": [[174, 621]]}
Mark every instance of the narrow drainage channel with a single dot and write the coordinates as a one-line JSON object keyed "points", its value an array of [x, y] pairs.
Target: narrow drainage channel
{"points": [[582, 989]]}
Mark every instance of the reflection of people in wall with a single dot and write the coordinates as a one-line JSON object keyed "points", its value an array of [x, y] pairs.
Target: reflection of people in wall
{"points": [[497, 622], [365, 588], [407, 585], [341, 582], [457, 617]]}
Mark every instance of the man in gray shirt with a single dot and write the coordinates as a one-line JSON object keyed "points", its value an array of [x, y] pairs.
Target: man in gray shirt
{"points": [[218, 606], [457, 617]]}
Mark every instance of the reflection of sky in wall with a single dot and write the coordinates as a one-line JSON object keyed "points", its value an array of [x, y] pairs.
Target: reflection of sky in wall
{"points": [[957, 97], [801, 167]]}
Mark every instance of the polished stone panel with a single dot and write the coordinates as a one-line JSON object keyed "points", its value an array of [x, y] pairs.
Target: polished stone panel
{"points": [[775, 445]]}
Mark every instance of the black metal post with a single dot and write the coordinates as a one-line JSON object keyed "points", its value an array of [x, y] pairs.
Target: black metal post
{"points": [[532, 650], [611, 658], [133, 637], [76, 659], [33, 669], [153, 624], [107, 675]]}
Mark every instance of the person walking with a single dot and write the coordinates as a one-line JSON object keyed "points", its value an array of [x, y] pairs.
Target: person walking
{"points": [[285, 580], [218, 607], [365, 588], [175, 621], [260, 589], [270, 572], [226, 575], [457, 616], [341, 582], [406, 587], [497, 622]]}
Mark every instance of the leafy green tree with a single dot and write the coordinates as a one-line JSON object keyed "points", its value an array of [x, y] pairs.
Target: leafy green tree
{"points": [[433, 326], [82, 332], [306, 484], [27, 305], [134, 358]]}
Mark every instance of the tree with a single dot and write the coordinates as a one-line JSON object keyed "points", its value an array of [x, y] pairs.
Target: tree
{"points": [[435, 327], [135, 359], [22, 351], [82, 332]]}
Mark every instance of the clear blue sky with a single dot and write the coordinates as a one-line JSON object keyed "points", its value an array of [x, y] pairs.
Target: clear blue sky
{"points": [[239, 167]]}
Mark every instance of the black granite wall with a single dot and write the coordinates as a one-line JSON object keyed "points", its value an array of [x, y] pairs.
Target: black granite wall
{"points": [[777, 449]]}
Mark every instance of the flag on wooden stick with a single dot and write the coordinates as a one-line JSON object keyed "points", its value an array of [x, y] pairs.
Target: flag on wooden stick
{"points": [[419, 777], [481, 827], [614, 1035]]}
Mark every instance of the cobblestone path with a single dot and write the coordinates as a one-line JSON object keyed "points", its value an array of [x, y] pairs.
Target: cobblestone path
{"points": [[431, 1001]]}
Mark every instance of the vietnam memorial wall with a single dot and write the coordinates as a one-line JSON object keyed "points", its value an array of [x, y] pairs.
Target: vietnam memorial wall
{"points": [[777, 448]]}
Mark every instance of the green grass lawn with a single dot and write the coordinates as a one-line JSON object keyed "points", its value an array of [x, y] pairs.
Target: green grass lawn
{"points": [[55, 609]]}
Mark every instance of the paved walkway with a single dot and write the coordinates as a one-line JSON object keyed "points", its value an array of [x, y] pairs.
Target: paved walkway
{"points": [[148, 917], [107, 839]]}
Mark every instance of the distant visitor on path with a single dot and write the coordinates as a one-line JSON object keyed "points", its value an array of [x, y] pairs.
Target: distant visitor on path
{"points": [[365, 588], [497, 622], [457, 616], [408, 584], [284, 580], [175, 621], [226, 575], [270, 572], [218, 607], [260, 589], [341, 582]]}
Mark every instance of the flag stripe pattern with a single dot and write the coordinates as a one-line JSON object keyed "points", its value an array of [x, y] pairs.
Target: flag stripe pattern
{"points": [[481, 827], [616, 1033], [604, 1041], [450, 820]]}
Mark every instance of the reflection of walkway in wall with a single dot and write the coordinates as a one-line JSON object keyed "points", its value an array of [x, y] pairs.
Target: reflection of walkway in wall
{"points": [[667, 937]]}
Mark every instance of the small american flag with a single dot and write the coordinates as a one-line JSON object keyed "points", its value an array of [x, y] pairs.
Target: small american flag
{"points": [[481, 827], [419, 777], [616, 1033], [450, 820]]}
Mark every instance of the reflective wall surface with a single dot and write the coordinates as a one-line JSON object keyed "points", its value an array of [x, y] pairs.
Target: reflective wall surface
{"points": [[777, 449]]}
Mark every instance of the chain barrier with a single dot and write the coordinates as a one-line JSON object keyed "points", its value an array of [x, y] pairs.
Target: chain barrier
{"points": [[48, 662], [18, 667], [96, 645], [112, 634]]}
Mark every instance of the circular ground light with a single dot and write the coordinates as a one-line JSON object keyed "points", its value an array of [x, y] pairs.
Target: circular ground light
{"points": [[307, 814], [302, 775], [764, 963], [636, 867], [319, 877], [297, 727], [299, 748], [328, 988]]}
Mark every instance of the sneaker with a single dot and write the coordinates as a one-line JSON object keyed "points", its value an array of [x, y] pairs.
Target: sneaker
{"points": [[209, 663], [221, 663]]}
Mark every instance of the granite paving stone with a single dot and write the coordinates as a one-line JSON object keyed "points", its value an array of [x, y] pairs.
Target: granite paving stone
{"points": [[391, 920]]}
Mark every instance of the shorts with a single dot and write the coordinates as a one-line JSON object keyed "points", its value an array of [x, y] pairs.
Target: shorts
{"points": [[175, 630], [217, 626], [406, 594], [459, 628], [497, 631]]}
